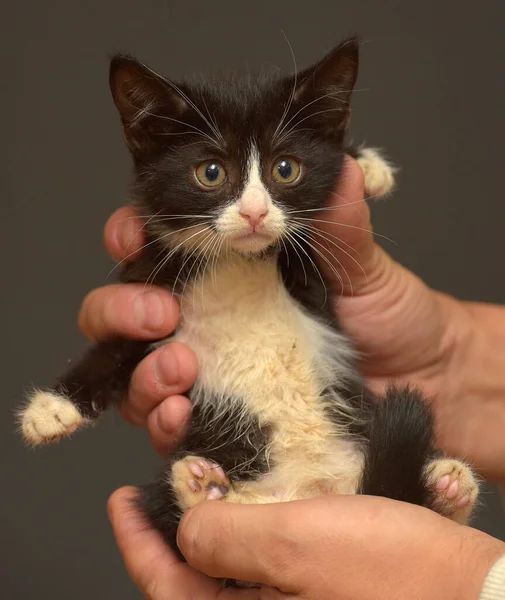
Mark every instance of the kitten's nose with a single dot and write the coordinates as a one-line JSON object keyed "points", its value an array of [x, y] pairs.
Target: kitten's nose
{"points": [[254, 209]]}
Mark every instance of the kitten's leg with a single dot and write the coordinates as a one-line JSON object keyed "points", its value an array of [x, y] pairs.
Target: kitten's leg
{"points": [[187, 482], [400, 459], [454, 489], [400, 445], [98, 380], [195, 479], [224, 434], [378, 171]]}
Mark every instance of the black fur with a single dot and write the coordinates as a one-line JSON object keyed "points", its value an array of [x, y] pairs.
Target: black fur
{"points": [[169, 129], [400, 446], [101, 378], [238, 445]]}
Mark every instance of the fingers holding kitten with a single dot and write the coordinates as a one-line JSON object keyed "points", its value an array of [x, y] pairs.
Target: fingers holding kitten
{"points": [[128, 310], [169, 371], [134, 312], [123, 234]]}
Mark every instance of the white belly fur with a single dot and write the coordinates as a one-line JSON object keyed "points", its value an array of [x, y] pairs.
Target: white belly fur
{"points": [[254, 343]]}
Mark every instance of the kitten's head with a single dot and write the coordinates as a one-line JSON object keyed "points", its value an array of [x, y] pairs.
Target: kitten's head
{"points": [[231, 163]]}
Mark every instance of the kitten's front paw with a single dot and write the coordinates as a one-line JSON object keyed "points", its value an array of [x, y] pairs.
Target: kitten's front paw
{"points": [[49, 417], [454, 488], [379, 173], [195, 479]]}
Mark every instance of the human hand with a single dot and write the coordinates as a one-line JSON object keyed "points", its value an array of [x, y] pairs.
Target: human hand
{"points": [[409, 333], [154, 398], [405, 331], [340, 547]]}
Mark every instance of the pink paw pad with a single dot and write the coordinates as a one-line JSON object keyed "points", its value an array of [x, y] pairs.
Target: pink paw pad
{"points": [[455, 488], [208, 477]]}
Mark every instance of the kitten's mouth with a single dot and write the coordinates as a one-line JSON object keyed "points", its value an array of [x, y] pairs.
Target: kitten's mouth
{"points": [[251, 241]]}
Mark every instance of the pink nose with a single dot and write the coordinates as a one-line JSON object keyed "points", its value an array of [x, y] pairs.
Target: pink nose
{"points": [[254, 214]]}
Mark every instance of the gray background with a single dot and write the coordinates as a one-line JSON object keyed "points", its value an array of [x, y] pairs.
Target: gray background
{"points": [[434, 77]]}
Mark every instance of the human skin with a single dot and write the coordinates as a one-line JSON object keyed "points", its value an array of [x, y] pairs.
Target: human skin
{"points": [[405, 332], [333, 548]]}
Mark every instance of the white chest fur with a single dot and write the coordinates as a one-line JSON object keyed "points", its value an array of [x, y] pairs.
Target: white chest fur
{"points": [[256, 345]]}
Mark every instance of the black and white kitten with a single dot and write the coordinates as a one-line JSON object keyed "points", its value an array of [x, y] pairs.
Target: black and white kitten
{"points": [[225, 170]]}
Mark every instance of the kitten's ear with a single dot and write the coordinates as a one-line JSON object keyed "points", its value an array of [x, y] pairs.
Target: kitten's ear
{"points": [[146, 102], [329, 83]]}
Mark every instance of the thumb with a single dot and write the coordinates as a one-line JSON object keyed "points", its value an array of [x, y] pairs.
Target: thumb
{"points": [[248, 542], [143, 550], [151, 564], [342, 237]]}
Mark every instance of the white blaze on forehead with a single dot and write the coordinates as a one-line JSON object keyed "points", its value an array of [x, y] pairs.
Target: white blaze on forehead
{"points": [[256, 198], [254, 180]]}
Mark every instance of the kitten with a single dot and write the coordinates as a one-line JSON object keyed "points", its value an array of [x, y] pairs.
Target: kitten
{"points": [[230, 173]]}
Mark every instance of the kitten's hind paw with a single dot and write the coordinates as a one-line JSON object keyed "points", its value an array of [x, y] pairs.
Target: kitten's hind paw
{"points": [[454, 489], [195, 479], [379, 173], [48, 417]]}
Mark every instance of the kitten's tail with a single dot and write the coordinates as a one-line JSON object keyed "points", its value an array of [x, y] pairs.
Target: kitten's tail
{"points": [[400, 447], [99, 379]]}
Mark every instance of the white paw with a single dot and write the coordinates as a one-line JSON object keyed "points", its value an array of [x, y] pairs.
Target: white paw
{"points": [[49, 417], [454, 487], [379, 173]]}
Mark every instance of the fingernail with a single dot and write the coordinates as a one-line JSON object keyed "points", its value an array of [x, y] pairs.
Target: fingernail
{"points": [[128, 230], [150, 310], [166, 367]]}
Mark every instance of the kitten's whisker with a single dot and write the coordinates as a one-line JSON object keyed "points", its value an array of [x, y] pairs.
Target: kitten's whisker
{"points": [[214, 124], [165, 217], [215, 262], [210, 256], [188, 100], [304, 107], [185, 261], [309, 237], [314, 231], [165, 118], [141, 229], [328, 262], [338, 224], [315, 269], [164, 261], [295, 212], [319, 112], [208, 244], [330, 235], [292, 95], [158, 239], [201, 250], [291, 239], [177, 133], [285, 250]]}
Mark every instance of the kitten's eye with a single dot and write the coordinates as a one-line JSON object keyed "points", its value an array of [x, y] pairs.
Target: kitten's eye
{"points": [[210, 174], [286, 170]]}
